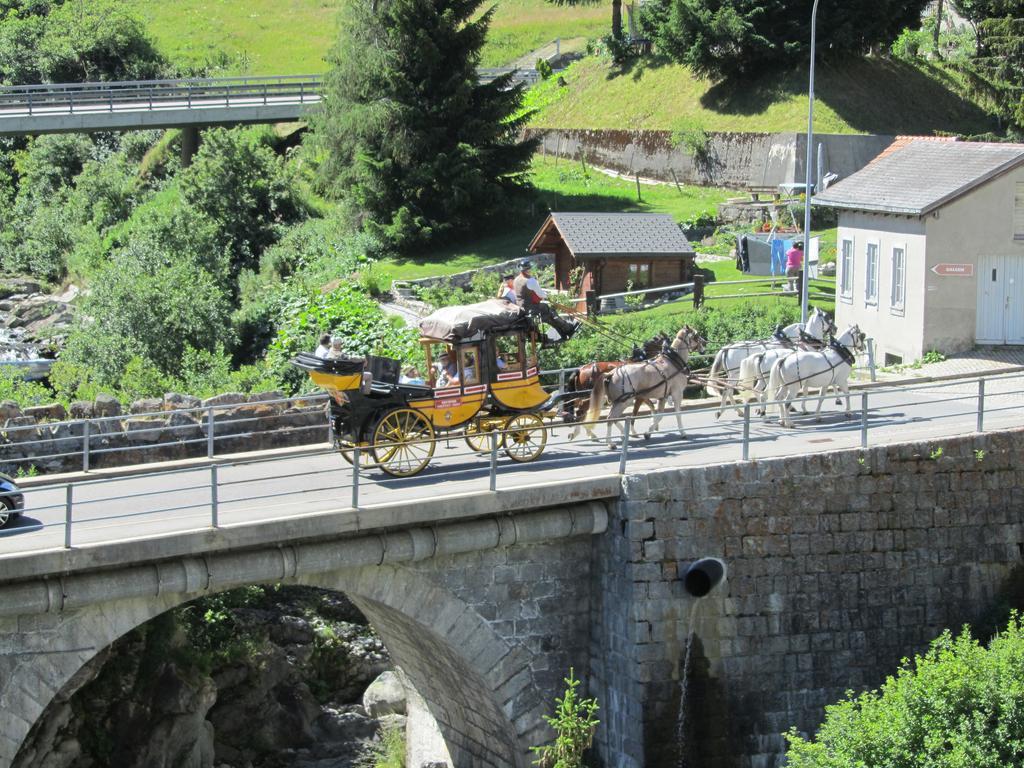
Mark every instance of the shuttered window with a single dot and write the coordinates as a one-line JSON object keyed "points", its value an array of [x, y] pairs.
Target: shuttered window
{"points": [[1018, 212], [846, 270], [871, 275], [899, 279]]}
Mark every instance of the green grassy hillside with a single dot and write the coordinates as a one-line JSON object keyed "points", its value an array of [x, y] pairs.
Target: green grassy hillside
{"points": [[868, 95], [292, 36]]}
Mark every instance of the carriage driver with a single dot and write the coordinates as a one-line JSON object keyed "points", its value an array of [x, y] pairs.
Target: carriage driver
{"points": [[530, 296]]}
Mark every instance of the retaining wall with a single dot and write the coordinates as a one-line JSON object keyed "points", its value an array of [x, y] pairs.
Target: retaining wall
{"points": [[41, 439], [839, 565], [735, 160]]}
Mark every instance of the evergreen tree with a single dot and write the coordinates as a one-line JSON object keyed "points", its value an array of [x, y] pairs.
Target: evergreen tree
{"points": [[996, 71], [414, 145], [736, 38]]}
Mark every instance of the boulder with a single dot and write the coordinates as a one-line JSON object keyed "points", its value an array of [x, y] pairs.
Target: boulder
{"points": [[81, 409], [51, 412], [259, 397], [385, 696], [106, 405], [226, 398], [346, 724], [9, 410], [146, 405], [145, 429], [291, 630], [13, 286], [21, 429], [174, 401]]}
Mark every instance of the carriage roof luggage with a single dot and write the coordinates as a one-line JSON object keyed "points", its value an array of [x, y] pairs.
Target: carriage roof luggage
{"points": [[461, 322]]}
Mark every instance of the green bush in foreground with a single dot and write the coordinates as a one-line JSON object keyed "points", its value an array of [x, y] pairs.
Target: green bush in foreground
{"points": [[960, 705], [574, 725]]}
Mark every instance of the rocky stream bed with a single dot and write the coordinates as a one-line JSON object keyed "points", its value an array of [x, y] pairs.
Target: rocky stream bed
{"points": [[269, 677]]}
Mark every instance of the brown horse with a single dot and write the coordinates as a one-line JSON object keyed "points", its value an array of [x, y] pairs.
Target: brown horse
{"points": [[582, 379]]}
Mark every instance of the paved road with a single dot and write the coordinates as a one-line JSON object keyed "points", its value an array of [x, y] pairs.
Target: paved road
{"points": [[129, 508]]}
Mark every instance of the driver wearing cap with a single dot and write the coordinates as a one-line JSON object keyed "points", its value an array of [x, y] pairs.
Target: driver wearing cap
{"points": [[530, 296]]}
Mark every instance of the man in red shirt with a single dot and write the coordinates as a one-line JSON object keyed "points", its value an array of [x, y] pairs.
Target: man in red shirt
{"points": [[530, 296]]}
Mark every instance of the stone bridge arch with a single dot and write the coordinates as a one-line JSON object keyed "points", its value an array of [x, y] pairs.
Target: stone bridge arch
{"points": [[486, 688]]}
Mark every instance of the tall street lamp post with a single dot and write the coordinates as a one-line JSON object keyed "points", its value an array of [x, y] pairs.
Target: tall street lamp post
{"points": [[807, 167]]}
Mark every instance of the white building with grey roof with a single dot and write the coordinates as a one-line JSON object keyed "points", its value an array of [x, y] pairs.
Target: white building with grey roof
{"points": [[930, 247]]}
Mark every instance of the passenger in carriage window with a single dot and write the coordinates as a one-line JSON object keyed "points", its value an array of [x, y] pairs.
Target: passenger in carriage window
{"points": [[411, 375], [325, 346], [448, 370], [469, 368]]}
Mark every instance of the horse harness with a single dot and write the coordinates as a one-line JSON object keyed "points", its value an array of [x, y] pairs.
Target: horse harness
{"points": [[845, 356], [667, 353]]}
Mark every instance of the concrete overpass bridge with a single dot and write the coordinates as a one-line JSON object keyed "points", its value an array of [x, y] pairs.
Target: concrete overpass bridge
{"points": [[188, 104], [841, 561], [138, 105]]}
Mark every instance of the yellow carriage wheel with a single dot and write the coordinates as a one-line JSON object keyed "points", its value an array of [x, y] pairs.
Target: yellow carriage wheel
{"points": [[525, 437], [403, 442], [478, 438], [347, 450]]}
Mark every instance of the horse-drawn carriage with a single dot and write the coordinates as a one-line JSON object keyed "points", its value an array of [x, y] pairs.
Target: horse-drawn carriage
{"points": [[490, 384]]}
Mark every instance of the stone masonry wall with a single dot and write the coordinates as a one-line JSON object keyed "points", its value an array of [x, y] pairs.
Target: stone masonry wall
{"points": [[839, 565], [50, 438]]}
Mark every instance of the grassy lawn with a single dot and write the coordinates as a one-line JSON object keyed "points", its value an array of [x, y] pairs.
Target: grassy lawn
{"points": [[868, 95], [562, 186], [284, 37], [726, 270]]}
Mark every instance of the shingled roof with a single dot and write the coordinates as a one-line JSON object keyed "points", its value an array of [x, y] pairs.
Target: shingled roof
{"points": [[614, 235], [921, 176]]}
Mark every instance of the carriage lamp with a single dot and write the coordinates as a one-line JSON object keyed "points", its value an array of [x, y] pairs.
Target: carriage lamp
{"points": [[701, 576], [366, 385]]}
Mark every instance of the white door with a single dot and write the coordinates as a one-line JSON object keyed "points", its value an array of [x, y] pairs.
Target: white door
{"points": [[1000, 314], [1013, 315]]}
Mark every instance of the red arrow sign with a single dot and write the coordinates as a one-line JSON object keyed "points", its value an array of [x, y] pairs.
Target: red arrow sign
{"points": [[954, 270]]}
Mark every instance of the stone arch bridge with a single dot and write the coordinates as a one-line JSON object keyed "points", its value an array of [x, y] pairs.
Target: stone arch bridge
{"points": [[839, 564]]}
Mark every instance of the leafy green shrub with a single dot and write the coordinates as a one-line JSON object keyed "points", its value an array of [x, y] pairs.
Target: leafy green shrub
{"points": [[956, 706], [237, 182], [13, 386], [574, 724], [910, 43], [388, 752], [143, 307], [544, 69], [346, 312]]}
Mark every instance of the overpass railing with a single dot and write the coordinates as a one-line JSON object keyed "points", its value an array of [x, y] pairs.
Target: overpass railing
{"points": [[54, 98], [170, 434], [241, 493], [156, 436]]}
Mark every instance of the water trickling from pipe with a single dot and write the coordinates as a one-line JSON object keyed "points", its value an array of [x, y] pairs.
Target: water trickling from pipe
{"points": [[683, 681]]}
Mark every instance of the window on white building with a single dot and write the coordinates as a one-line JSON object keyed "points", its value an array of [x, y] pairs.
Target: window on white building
{"points": [[846, 270], [898, 296], [871, 275]]}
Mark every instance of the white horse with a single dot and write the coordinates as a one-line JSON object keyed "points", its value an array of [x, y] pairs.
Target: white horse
{"points": [[726, 367], [808, 369], [754, 373], [664, 378]]}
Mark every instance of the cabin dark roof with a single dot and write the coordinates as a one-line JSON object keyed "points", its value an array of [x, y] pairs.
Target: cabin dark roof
{"points": [[921, 176], [614, 235]]}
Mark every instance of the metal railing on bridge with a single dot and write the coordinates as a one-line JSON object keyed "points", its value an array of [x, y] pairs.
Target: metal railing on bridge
{"points": [[58, 98], [227, 495], [193, 93]]}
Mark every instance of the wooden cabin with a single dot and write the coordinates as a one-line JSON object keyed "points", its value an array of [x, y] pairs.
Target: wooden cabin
{"points": [[613, 250]]}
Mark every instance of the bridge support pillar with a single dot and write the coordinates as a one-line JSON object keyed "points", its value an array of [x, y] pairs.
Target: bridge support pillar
{"points": [[189, 144]]}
